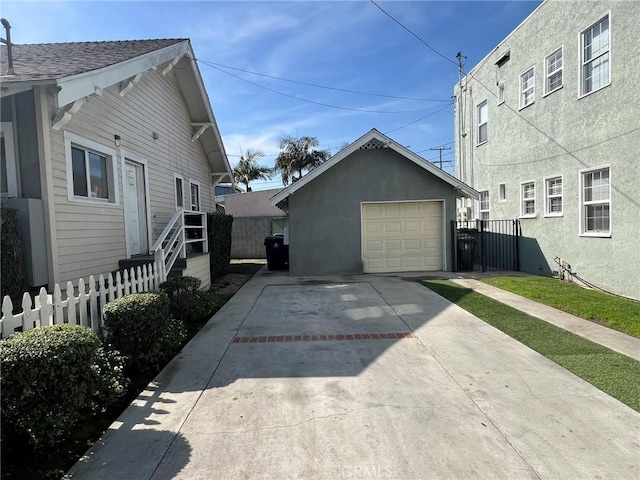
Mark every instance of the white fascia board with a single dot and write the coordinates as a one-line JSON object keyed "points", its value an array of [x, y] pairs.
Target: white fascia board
{"points": [[84, 84], [212, 119], [465, 189]]}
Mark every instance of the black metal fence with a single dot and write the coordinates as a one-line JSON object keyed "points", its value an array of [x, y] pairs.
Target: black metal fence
{"points": [[482, 245]]}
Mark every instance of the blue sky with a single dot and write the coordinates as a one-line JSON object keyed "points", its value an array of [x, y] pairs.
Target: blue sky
{"points": [[345, 45]]}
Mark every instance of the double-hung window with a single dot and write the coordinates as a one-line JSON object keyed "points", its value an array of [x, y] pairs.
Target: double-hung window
{"points": [[527, 87], [482, 122], [90, 170], [553, 70], [595, 217], [594, 56], [194, 194], [553, 197], [484, 205], [528, 199]]}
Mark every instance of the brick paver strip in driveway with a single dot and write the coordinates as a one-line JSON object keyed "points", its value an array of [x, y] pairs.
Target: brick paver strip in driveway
{"points": [[460, 400]]}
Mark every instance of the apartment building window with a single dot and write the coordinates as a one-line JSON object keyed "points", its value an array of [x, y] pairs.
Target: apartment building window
{"points": [[595, 46], [553, 197], [502, 192], [528, 199], [553, 66], [482, 122], [527, 87], [484, 205], [501, 94], [595, 217]]}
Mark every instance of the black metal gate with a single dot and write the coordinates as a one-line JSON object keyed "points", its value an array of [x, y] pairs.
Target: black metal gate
{"points": [[481, 245]]}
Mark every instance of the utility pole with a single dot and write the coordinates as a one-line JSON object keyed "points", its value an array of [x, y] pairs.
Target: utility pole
{"points": [[440, 149]]}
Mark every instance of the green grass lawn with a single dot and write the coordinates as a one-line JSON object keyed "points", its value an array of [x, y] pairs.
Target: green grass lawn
{"points": [[611, 372], [614, 312]]}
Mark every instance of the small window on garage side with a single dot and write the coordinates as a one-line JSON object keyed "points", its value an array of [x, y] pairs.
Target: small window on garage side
{"points": [[482, 122], [502, 192]]}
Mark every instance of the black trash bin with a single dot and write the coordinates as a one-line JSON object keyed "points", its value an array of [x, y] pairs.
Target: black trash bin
{"points": [[466, 251], [277, 253]]}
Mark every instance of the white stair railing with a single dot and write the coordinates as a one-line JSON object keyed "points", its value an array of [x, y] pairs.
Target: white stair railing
{"points": [[170, 244]]}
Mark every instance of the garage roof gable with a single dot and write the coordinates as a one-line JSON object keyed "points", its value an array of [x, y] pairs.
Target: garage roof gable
{"points": [[374, 137]]}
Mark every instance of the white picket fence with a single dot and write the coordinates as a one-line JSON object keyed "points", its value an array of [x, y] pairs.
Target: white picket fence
{"points": [[82, 305]]}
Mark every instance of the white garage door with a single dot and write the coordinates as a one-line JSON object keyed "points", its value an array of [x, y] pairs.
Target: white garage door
{"points": [[401, 237]]}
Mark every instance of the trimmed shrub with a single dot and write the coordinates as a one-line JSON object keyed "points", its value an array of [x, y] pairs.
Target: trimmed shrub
{"points": [[181, 292], [205, 304], [219, 231], [140, 326], [52, 377], [14, 280]]}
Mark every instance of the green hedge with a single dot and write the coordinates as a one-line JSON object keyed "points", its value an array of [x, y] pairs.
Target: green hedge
{"points": [[219, 231], [53, 377], [187, 303], [13, 281], [140, 326]]}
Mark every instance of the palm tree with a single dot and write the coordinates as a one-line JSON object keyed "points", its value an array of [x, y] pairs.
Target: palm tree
{"points": [[248, 169], [297, 155]]}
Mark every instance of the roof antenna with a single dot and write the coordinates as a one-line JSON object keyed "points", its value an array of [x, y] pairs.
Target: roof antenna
{"points": [[7, 42]]}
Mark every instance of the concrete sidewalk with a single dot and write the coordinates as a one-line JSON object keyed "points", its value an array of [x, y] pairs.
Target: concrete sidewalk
{"points": [[616, 341], [301, 378]]}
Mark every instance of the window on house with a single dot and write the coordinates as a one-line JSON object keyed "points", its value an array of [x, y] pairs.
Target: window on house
{"points": [[596, 202], [484, 205], [595, 57], [195, 196], [502, 192], [528, 199], [527, 87], [91, 170], [482, 122], [553, 65], [500, 94], [179, 191], [553, 196]]}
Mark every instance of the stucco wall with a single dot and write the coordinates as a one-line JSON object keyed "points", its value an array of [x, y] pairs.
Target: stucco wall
{"points": [[325, 215], [252, 204], [561, 134]]}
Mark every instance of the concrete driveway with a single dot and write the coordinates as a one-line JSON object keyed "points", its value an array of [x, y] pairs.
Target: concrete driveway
{"points": [[362, 377]]}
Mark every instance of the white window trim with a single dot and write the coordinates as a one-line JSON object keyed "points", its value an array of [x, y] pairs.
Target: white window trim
{"points": [[175, 191], [535, 201], [502, 200], [487, 210], [501, 94], [581, 217], [195, 182], [546, 73], [580, 59], [547, 213], [533, 67], [12, 166], [71, 138], [478, 125]]}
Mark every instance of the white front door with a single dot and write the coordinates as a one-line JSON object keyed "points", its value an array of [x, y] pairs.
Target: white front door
{"points": [[135, 208], [402, 237]]}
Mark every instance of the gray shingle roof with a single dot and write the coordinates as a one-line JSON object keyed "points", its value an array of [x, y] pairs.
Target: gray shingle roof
{"points": [[52, 61]]}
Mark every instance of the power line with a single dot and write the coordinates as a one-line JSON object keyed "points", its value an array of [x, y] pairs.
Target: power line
{"points": [[322, 86], [412, 33], [560, 154], [313, 101], [417, 120]]}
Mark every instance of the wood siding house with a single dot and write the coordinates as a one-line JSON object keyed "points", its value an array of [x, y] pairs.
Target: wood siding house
{"points": [[102, 143]]}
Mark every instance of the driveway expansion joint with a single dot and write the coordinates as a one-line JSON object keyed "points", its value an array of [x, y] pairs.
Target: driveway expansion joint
{"points": [[323, 337]]}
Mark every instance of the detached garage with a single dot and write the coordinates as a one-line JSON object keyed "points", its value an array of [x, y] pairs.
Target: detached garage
{"points": [[374, 207]]}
